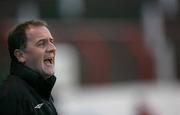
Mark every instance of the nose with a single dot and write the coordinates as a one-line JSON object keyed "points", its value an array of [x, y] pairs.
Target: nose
{"points": [[51, 47]]}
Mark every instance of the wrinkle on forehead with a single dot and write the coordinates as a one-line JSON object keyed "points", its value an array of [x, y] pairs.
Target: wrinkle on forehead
{"points": [[35, 29], [34, 33]]}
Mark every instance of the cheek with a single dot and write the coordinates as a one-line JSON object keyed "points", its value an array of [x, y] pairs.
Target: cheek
{"points": [[34, 55], [35, 59]]}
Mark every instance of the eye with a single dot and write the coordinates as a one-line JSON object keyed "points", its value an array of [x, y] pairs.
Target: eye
{"points": [[52, 41], [41, 43]]}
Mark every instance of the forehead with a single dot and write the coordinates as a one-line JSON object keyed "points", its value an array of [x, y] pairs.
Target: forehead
{"points": [[34, 33]]}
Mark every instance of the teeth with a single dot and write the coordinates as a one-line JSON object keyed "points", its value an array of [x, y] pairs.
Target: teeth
{"points": [[48, 61]]}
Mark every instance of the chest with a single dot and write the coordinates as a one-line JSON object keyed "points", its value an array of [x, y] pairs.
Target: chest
{"points": [[37, 105]]}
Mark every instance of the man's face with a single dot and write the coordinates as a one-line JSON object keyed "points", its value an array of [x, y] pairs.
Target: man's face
{"points": [[40, 50]]}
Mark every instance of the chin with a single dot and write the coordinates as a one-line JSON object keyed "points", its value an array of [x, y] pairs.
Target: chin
{"points": [[47, 72], [50, 73]]}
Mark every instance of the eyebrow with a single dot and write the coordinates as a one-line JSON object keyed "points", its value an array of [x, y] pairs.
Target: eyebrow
{"points": [[44, 39]]}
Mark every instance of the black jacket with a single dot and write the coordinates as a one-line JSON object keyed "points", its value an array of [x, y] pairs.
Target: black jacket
{"points": [[25, 92]]}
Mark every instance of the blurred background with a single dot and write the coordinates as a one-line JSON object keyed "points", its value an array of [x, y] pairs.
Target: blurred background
{"points": [[114, 57]]}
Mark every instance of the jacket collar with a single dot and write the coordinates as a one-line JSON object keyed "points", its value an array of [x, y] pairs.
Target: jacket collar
{"points": [[34, 79]]}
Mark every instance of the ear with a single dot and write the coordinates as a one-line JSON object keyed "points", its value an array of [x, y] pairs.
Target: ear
{"points": [[19, 54]]}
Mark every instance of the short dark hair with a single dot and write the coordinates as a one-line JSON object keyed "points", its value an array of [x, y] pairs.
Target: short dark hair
{"points": [[17, 38]]}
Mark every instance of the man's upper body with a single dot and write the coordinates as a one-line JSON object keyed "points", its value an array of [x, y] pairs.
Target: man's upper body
{"points": [[27, 90]]}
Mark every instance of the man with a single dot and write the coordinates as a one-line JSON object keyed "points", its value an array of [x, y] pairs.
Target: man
{"points": [[27, 90]]}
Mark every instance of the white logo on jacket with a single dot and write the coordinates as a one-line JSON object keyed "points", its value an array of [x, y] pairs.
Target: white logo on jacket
{"points": [[38, 106]]}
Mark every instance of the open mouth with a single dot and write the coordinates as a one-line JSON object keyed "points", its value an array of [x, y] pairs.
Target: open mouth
{"points": [[49, 61]]}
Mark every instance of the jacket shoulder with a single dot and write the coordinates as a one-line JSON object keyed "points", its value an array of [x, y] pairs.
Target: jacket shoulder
{"points": [[12, 96], [12, 86]]}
